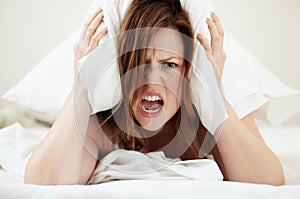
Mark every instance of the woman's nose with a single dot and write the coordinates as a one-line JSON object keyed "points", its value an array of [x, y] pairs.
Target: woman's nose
{"points": [[153, 73]]}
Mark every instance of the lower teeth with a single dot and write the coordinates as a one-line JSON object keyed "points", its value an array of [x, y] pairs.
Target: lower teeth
{"points": [[150, 111]]}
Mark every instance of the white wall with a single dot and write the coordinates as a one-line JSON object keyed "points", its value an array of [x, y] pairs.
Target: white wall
{"points": [[270, 29], [29, 29]]}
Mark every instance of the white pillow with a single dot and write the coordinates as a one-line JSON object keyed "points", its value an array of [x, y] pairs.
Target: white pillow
{"points": [[248, 85], [47, 85]]}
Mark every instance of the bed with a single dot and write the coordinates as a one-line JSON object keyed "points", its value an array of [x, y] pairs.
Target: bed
{"points": [[29, 109], [17, 141]]}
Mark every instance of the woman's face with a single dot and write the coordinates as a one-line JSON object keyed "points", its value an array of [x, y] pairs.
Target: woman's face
{"points": [[164, 74]]}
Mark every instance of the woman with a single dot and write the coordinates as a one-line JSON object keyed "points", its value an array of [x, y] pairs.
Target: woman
{"points": [[150, 105]]}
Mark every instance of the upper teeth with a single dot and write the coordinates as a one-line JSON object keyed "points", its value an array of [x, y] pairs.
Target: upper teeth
{"points": [[151, 98]]}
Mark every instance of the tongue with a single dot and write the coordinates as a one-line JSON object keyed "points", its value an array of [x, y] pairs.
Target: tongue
{"points": [[151, 105]]}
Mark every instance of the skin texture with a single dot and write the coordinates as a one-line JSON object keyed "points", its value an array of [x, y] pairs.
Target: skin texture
{"points": [[240, 152], [164, 77]]}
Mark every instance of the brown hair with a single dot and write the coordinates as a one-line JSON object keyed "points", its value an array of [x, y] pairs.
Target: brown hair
{"points": [[153, 14]]}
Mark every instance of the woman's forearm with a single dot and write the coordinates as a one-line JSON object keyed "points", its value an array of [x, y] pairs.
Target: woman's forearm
{"points": [[62, 158], [58, 158], [244, 155]]}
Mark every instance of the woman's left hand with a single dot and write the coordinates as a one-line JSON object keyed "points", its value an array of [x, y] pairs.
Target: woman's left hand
{"points": [[214, 49]]}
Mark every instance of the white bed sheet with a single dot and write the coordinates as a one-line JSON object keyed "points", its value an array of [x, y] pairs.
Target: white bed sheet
{"points": [[282, 139], [153, 189]]}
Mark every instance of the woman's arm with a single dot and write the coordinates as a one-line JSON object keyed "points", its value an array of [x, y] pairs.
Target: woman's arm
{"points": [[243, 155], [62, 156], [240, 152]]}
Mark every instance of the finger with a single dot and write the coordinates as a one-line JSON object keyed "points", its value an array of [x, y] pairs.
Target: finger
{"points": [[217, 22], [204, 42], [90, 31], [96, 38], [89, 21], [216, 39]]}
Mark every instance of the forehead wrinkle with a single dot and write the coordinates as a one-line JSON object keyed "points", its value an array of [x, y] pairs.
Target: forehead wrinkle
{"points": [[161, 55], [166, 43]]}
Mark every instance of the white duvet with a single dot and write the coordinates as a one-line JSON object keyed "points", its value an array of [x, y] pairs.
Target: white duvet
{"points": [[133, 165], [153, 189], [180, 179]]}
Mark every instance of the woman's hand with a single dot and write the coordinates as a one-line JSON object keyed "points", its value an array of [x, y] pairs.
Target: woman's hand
{"points": [[214, 49], [89, 38]]}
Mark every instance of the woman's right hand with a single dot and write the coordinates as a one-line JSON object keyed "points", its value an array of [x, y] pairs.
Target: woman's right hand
{"points": [[65, 146], [89, 38], [214, 49]]}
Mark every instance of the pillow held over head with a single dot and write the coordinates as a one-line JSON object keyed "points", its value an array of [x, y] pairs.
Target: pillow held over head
{"points": [[248, 85]]}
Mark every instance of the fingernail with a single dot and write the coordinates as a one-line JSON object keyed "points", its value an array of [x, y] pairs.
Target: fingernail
{"points": [[213, 13], [208, 19], [200, 36]]}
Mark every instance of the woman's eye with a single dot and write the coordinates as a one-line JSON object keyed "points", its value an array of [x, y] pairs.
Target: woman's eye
{"points": [[170, 64]]}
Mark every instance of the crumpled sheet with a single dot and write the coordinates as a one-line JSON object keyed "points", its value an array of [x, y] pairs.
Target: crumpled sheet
{"points": [[132, 165], [17, 144], [11, 112]]}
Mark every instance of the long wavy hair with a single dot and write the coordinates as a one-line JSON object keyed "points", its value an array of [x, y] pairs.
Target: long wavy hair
{"points": [[185, 123]]}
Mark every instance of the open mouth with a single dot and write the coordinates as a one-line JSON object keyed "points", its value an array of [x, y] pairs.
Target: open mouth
{"points": [[151, 105]]}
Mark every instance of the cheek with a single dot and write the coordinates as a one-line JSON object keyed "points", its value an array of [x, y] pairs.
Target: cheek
{"points": [[173, 101], [173, 80], [135, 107], [174, 87]]}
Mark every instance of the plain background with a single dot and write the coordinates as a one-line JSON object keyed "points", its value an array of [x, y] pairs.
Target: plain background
{"points": [[29, 29]]}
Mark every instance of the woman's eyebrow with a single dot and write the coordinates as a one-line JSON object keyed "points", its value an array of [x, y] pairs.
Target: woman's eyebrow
{"points": [[169, 58]]}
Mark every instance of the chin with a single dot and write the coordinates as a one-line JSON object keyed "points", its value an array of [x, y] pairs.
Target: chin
{"points": [[153, 126], [152, 123]]}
